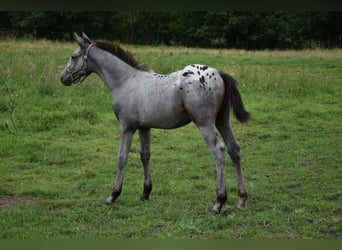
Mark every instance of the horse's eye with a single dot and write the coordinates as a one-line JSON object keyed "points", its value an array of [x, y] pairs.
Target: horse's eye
{"points": [[73, 57]]}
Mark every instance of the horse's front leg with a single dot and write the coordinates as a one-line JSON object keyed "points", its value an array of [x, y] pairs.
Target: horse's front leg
{"points": [[126, 136], [145, 142]]}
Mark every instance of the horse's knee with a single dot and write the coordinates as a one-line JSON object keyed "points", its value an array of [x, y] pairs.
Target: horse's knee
{"points": [[145, 157], [122, 160]]}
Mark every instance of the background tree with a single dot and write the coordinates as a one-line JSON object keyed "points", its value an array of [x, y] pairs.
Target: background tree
{"points": [[225, 29]]}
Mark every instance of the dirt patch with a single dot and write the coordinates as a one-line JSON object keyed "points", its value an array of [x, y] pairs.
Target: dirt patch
{"points": [[10, 201]]}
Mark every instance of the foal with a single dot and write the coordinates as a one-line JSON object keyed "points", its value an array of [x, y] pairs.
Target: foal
{"points": [[143, 100]]}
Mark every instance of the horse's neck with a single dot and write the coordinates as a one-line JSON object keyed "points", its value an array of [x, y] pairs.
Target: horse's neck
{"points": [[111, 69]]}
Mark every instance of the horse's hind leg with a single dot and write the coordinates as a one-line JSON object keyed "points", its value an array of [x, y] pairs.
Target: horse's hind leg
{"points": [[217, 149], [233, 148], [145, 142]]}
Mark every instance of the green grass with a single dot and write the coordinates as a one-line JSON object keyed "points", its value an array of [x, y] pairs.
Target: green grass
{"points": [[55, 174]]}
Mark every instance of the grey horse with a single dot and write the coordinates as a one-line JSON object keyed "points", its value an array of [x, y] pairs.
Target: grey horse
{"points": [[143, 100]]}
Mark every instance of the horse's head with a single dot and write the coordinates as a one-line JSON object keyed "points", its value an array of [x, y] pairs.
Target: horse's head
{"points": [[76, 69]]}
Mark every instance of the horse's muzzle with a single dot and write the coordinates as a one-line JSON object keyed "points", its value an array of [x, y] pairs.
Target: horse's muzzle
{"points": [[66, 79]]}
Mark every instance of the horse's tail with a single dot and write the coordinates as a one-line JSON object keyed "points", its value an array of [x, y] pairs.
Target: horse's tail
{"points": [[232, 98]]}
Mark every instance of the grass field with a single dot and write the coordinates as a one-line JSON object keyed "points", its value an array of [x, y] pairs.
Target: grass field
{"points": [[60, 167]]}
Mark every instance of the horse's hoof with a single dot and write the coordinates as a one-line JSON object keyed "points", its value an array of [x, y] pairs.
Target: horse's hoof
{"points": [[242, 205], [143, 198], [108, 201], [214, 212], [217, 208]]}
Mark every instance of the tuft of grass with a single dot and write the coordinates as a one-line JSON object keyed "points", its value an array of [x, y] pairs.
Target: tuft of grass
{"points": [[55, 174]]}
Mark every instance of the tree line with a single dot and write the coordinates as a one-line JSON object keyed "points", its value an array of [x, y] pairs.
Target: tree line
{"points": [[226, 29]]}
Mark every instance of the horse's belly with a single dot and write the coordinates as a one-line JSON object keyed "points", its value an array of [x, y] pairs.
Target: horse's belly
{"points": [[164, 119]]}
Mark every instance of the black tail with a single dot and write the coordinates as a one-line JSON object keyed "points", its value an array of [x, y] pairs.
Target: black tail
{"points": [[233, 96]]}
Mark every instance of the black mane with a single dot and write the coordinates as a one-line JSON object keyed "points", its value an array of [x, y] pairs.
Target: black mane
{"points": [[122, 54]]}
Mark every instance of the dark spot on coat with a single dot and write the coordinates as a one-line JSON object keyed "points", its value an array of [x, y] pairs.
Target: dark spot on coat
{"points": [[180, 88], [202, 80], [198, 73], [205, 67], [188, 72]]}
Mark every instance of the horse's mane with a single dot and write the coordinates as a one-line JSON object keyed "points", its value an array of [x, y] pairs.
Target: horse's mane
{"points": [[122, 54]]}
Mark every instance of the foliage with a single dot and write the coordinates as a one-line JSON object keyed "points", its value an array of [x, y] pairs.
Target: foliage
{"points": [[228, 29], [60, 167]]}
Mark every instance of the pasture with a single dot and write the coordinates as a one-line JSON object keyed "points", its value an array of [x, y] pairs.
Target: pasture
{"points": [[60, 167]]}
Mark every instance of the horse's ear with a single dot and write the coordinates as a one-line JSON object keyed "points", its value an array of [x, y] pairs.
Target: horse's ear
{"points": [[82, 42], [84, 36], [78, 39]]}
